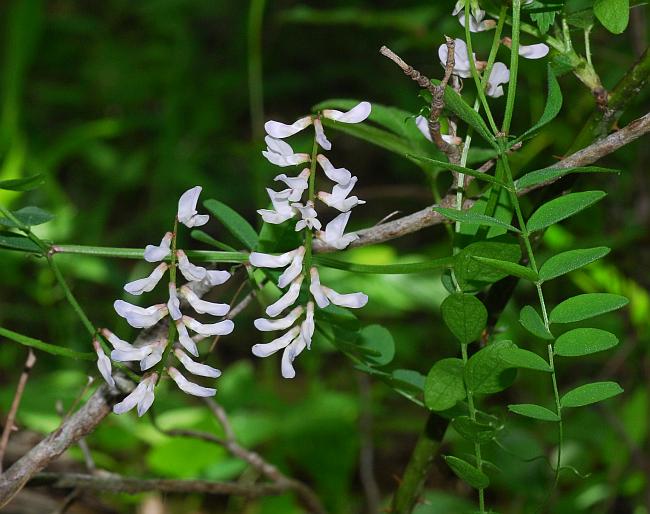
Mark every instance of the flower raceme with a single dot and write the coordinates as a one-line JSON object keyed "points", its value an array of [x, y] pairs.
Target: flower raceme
{"points": [[298, 272], [157, 352]]}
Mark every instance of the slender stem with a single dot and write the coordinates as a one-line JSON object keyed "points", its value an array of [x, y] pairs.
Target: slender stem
{"points": [[558, 407], [477, 446], [255, 83], [474, 71], [171, 332], [514, 66], [496, 41], [311, 195], [90, 328], [588, 44], [138, 253]]}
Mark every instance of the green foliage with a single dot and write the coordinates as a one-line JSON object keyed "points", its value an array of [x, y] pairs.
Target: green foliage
{"points": [[473, 431], [233, 221], [552, 108], [444, 386], [562, 208], [534, 411], [520, 358], [531, 321], [473, 218], [590, 393], [380, 341], [565, 262], [486, 372], [613, 14], [584, 341], [468, 473], [585, 306], [465, 316], [472, 274], [27, 217], [547, 175], [13, 241], [510, 268], [22, 184]]}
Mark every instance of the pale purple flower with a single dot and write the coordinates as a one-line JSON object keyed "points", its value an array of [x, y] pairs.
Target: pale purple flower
{"points": [[333, 235], [142, 396], [281, 130], [355, 115], [189, 387], [281, 154], [158, 253], [103, 364], [187, 213], [338, 198]]}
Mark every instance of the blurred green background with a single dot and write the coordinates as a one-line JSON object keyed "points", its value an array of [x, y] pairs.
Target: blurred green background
{"points": [[124, 105]]}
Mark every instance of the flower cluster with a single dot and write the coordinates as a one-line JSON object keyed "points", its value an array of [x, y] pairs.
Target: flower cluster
{"points": [[153, 352], [288, 204]]}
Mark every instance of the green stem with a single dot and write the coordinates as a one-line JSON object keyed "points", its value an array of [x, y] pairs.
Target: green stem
{"points": [[255, 83], [558, 407], [138, 253], [311, 195], [70, 297], [514, 66], [171, 332], [588, 44], [496, 41]]}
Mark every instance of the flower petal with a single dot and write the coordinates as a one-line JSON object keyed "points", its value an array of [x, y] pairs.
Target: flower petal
{"points": [[265, 260], [338, 175], [174, 304], [144, 285], [293, 270], [155, 356], [190, 271], [187, 213], [158, 253], [184, 338], [282, 130], [307, 327], [142, 396], [321, 138], [355, 115], [216, 277], [139, 317], [203, 307], [103, 364], [189, 387], [266, 349], [115, 341], [196, 368], [534, 51], [286, 300], [222, 328], [350, 300], [317, 290], [267, 325], [290, 353]]}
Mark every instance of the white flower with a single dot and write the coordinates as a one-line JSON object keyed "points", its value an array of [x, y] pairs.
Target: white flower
{"points": [[174, 304], [308, 214], [461, 58], [296, 184], [321, 138], [333, 234], [103, 364], [115, 341], [316, 289], [338, 198], [190, 271], [281, 130], [534, 51], [307, 327], [202, 306], [139, 317], [282, 211], [222, 328], [184, 338], [290, 353], [293, 270], [338, 175], [187, 213], [423, 126], [355, 115], [264, 350], [286, 300], [500, 74], [155, 356], [196, 368], [189, 387], [135, 353], [265, 260], [281, 154], [215, 277], [267, 325], [477, 12], [158, 253], [476, 25], [144, 285], [142, 396]]}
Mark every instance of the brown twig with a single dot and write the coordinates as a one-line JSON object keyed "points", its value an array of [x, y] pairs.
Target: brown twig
{"points": [[13, 410]]}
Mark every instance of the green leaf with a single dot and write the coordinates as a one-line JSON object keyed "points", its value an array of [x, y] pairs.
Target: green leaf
{"points": [[22, 184], [584, 341], [473, 431], [465, 316], [46, 347], [203, 237], [551, 110], [566, 262], [510, 268], [468, 473], [461, 169], [520, 358], [28, 217], [544, 20], [471, 217], [18, 242], [486, 372], [561, 208], [386, 269], [548, 175], [585, 306], [444, 385], [531, 321], [380, 341], [590, 393], [472, 274], [456, 104], [613, 14], [533, 411], [233, 221]]}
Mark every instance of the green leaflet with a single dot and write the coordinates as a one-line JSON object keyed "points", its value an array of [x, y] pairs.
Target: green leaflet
{"points": [[234, 222], [472, 274], [14, 241], [407, 267], [548, 175], [201, 236], [510, 268], [444, 385], [585, 306], [28, 217], [566, 262], [531, 321], [46, 347], [380, 341], [584, 341], [613, 14], [471, 217], [533, 411], [520, 358], [561, 208], [467, 473], [465, 316], [473, 431], [590, 393], [461, 169], [486, 372], [551, 110], [22, 184]]}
